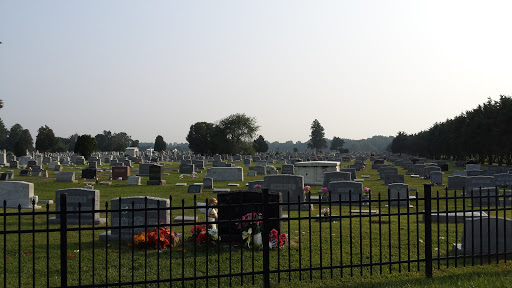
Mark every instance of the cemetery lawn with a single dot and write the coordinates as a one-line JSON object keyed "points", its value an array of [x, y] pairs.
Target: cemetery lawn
{"points": [[135, 263]]}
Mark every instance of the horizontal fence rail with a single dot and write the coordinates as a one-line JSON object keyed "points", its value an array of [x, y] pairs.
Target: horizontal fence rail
{"points": [[338, 238]]}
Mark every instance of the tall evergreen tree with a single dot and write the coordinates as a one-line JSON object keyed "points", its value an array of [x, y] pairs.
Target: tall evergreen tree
{"points": [[45, 139], [160, 144], [260, 145], [317, 140]]}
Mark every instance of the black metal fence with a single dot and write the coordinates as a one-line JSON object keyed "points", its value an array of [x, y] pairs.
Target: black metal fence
{"points": [[362, 237]]}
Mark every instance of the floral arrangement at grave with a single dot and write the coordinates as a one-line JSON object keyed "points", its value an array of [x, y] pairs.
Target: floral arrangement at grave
{"points": [[202, 235], [324, 191], [307, 189], [250, 226], [193, 175], [276, 240], [326, 212], [257, 186], [161, 238], [367, 190]]}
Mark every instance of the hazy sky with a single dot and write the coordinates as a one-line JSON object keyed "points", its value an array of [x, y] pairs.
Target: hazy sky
{"points": [[362, 68]]}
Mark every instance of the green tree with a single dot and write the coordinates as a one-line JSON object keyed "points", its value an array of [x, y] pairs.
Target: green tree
{"points": [[85, 145], [120, 141], [3, 134], [317, 140], [104, 141], [237, 130], [260, 145], [200, 137], [45, 139], [24, 143], [399, 143], [71, 142], [160, 144], [14, 136], [135, 143], [337, 144], [61, 145]]}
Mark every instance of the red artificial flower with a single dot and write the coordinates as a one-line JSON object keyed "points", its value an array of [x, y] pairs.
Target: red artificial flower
{"points": [[71, 255]]}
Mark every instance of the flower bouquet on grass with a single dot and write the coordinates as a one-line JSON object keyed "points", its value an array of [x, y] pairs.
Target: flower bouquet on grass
{"points": [[326, 212], [276, 240], [251, 228], [201, 234], [160, 238]]}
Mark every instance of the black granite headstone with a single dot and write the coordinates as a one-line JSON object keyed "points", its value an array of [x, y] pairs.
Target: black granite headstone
{"points": [[235, 204], [89, 173]]}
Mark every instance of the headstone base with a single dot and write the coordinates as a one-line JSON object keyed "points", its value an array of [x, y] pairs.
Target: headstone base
{"points": [[156, 182]]}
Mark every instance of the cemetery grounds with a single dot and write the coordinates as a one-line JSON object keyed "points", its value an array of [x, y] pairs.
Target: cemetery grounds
{"points": [[310, 243]]}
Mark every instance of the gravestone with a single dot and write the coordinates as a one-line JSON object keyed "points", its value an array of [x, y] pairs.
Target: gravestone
{"points": [[399, 195], [226, 173], [36, 171], [484, 236], [135, 211], [122, 172], [260, 170], [488, 196], [460, 173], [474, 172], [57, 168], [17, 193], [456, 182], [199, 164], [14, 165], [251, 173], [287, 169], [93, 164], [503, 180], [232, 207], [207, 183], [251, 184], [393, 178], [89, 201], [66, 177], [419, 169], [475, 182], [25, 172], [187, 168], [89, 173], [352, 172], [336, 176], [156, 175], [429, 169], [472, 167], [144, 169], [195, 188], [454, 217], [387, 171], [293, 184], [31, 163], [133, 180], [436, 177], [347, 191]]}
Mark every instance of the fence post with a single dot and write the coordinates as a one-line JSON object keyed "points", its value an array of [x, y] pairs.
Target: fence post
{"points": [[265, 233], [63, 241], [427, 190]]}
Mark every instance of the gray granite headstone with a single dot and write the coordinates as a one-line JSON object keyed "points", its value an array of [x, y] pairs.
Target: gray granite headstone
{"points": [[134, 211], [17, 193], [89, 201], [292, 185]]}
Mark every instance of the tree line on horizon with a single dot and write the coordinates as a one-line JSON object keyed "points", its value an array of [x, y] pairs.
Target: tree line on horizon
{"points": [[483, 134], [234, 134]]}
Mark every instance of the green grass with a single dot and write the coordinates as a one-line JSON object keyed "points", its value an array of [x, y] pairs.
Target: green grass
{"points": [[309, 244]]}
